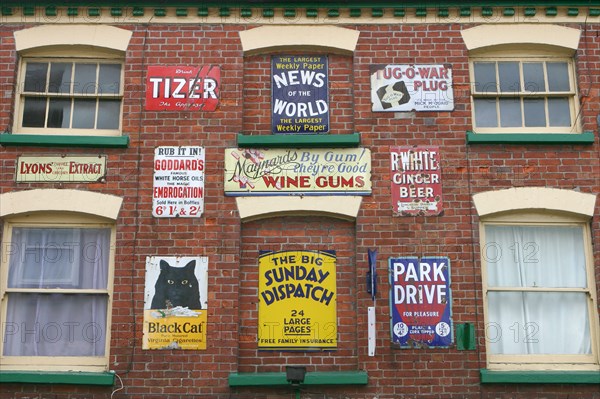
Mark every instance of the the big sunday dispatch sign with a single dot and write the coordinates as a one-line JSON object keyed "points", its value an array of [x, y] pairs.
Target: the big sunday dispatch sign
{"points": [[300, 94], [297, 297], [420, 302]]}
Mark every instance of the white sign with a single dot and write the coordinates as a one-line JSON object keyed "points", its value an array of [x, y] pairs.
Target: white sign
{"points": [[396, 88], [178, 182]]}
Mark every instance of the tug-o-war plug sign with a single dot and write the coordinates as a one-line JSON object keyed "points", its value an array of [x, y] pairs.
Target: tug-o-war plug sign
{"points": [[397, 88], [420, 302]]}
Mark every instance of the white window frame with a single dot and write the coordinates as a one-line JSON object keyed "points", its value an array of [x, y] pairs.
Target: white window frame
{"points": [[80, 56], [61, 42], [542, 206], [520, 55], [55, 363]]}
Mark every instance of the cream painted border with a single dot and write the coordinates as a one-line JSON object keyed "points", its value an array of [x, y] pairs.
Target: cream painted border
{"points": [[60, 35], [52, 200], [341, 207], [534, 198], [266, 39], [495, 35]]}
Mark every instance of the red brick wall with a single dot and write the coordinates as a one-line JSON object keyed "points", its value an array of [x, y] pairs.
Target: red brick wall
{"points": [[232, 247]]}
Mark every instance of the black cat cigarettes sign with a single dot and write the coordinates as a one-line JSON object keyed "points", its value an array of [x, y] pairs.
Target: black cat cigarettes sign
{"points": [[175, 303]]}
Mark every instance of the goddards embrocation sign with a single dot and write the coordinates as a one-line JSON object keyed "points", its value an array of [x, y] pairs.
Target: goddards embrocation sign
{"points": [[396, 88], [335, 171], [420, 302], [300, 94], [416, 180], [297, 300], [178, 182], [175, 302]]}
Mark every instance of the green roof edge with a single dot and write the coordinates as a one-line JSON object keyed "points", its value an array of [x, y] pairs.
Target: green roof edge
{"points": [[57, 377]]}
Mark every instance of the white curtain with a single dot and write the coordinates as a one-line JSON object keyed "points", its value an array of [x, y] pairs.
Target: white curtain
{"points": [[51, 323], [539, 322]]}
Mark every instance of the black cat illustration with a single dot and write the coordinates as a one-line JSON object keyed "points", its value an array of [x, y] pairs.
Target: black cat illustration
{"points": [[176, 286]]}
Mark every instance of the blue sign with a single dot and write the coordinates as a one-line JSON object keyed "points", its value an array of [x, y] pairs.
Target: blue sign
{"points": [[300, 94], [420, 302]]}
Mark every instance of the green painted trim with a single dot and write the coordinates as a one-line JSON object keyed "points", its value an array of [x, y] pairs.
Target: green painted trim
{"points": [[314, 3], [530, 138], [539, 377], [66, 377], [299, 140], [37, 140], [357, 377], [465, 337]]}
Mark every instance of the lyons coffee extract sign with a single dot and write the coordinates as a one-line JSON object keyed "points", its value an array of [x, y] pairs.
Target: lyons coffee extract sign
{"points": [[300, 94], [397, 88], [65, 169], [335, 171], [297, 300], [183, 88], [178, 182], [420, 302], [175, 302], [416, 180]]}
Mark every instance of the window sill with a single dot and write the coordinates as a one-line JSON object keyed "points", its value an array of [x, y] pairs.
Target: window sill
{"points": [[56, 377], [38, 140], [530, 138], [298, 140], [357, 377], [539, 377]]}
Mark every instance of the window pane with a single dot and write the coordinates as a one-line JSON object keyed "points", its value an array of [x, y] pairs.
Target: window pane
{"points": [[485, 112], [485, 77], [85, 79], [109, 79], [535, 256], [55, 325], [533, 77], [558, 76], [545, 323], [35, 77], [109, 114], [510, 112], [34, 112], [535, 112], [508, 73], [60, 78], [84, 112], [559, 112], [59, 113]]}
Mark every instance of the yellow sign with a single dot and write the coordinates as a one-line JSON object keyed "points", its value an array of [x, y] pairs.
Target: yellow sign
{"points": [[164, 329], [297, 300], [175, 302]]}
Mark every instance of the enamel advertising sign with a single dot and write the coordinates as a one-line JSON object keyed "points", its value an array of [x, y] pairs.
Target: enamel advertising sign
{"points": [[420, 302], [65, 169], [178, 189], [175, 303], [416, 180], [397, 88], [300, 94], [341, 171], [183, 88], [297, 300]]}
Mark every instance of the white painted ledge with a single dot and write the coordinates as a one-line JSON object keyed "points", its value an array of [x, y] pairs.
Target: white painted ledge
{"points": [[260, 207]]}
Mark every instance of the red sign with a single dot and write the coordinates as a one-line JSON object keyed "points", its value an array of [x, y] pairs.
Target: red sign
{"points": [[416, 180], [182, 88]]}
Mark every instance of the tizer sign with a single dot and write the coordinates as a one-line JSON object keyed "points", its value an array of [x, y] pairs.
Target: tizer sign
{"points": [[182, 88], [420, 301]]}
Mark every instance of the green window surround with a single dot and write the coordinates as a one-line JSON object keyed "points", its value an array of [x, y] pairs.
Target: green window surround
{"points": [[66, 377], [37, 140], [530, 138], [539, 377]]}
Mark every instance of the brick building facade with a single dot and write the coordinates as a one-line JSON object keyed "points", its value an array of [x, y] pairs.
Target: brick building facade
{"points": [[511, 140]]}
